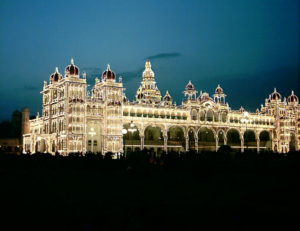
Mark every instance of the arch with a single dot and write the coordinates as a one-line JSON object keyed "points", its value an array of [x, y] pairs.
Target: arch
{"points": [[202, 116], [41, 146], [206, 139], [153, 135], [292, 142], [209, 115], [249, 139], [233, 138], [223, 117], [176, 140], [132, 138], [216, 116], [194, 114], [265, 142]]}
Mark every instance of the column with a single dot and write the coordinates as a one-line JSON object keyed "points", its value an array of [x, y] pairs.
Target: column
{"points": [[225, 139], [196, 144], [166, 144], [257, 145], [242, 144], [186, 144], [142, 142], [217, 143]]}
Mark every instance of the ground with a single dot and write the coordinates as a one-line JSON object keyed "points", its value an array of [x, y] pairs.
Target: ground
{"points": [[242, 192]]}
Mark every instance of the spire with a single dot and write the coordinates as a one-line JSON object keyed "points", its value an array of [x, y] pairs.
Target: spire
{"points": [[148, 64], [108, 67], [292, 92], [72, 61], [56, 69], [275, 89]]}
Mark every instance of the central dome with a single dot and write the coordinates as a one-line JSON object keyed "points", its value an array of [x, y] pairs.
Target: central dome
{"points": [[108, 74], [72, 69]]}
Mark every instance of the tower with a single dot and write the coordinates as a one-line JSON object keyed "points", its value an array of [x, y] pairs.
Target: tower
{"points": [[25, 121], [110, 93], [148, 92]]}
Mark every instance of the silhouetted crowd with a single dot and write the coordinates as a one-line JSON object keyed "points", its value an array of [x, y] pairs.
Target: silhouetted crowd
{"points": [[144, 190]]}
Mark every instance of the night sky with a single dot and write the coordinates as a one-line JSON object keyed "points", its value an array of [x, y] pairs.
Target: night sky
{"points": [[249, 47]]}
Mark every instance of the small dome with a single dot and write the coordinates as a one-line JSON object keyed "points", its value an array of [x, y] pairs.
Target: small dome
{"points": [[55, 76], [219, 90], [293, 98], [108, 74], [275, 95], [72, 69], [190, 86]]}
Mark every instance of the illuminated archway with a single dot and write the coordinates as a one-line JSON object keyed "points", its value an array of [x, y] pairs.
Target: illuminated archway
{"points": [[153, 136], [176, 140], [265, 142], [233, 138], [249, 140], [206, 139], [132, 138]]}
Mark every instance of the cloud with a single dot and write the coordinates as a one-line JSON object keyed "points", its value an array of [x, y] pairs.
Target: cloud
{"points": [[164, 56], [128, 75], [30, 88]]}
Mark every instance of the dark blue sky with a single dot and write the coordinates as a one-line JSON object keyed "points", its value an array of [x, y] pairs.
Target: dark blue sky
{"points": [[248, 46]]}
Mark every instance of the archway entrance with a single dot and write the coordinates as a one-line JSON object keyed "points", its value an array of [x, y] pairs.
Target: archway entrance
{"points": [[131, 139], [249, 140], [176, 140], [41, 146], [233, 139], [265, 143], [206, 140], [154, 138]]}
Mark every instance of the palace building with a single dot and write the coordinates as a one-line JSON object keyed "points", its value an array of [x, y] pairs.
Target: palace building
{"points": [[104, 120]]}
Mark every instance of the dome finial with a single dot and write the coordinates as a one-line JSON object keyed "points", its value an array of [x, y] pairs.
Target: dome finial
{"points": [[275, 89], [108, 67], [56, 69], [292, 92], [72, 61]]}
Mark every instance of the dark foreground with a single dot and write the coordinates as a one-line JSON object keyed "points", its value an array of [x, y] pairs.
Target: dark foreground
{"points": [[192, 192]]}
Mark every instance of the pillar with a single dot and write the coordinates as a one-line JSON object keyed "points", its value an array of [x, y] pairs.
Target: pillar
{"points": [[166, 143], [242, 144], [196, 144], [186, 144], [142, 142], [217, 143], [257, 145]]}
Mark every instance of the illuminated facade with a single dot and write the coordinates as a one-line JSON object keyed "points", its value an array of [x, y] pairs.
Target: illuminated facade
{"points": [[104, 120]]}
